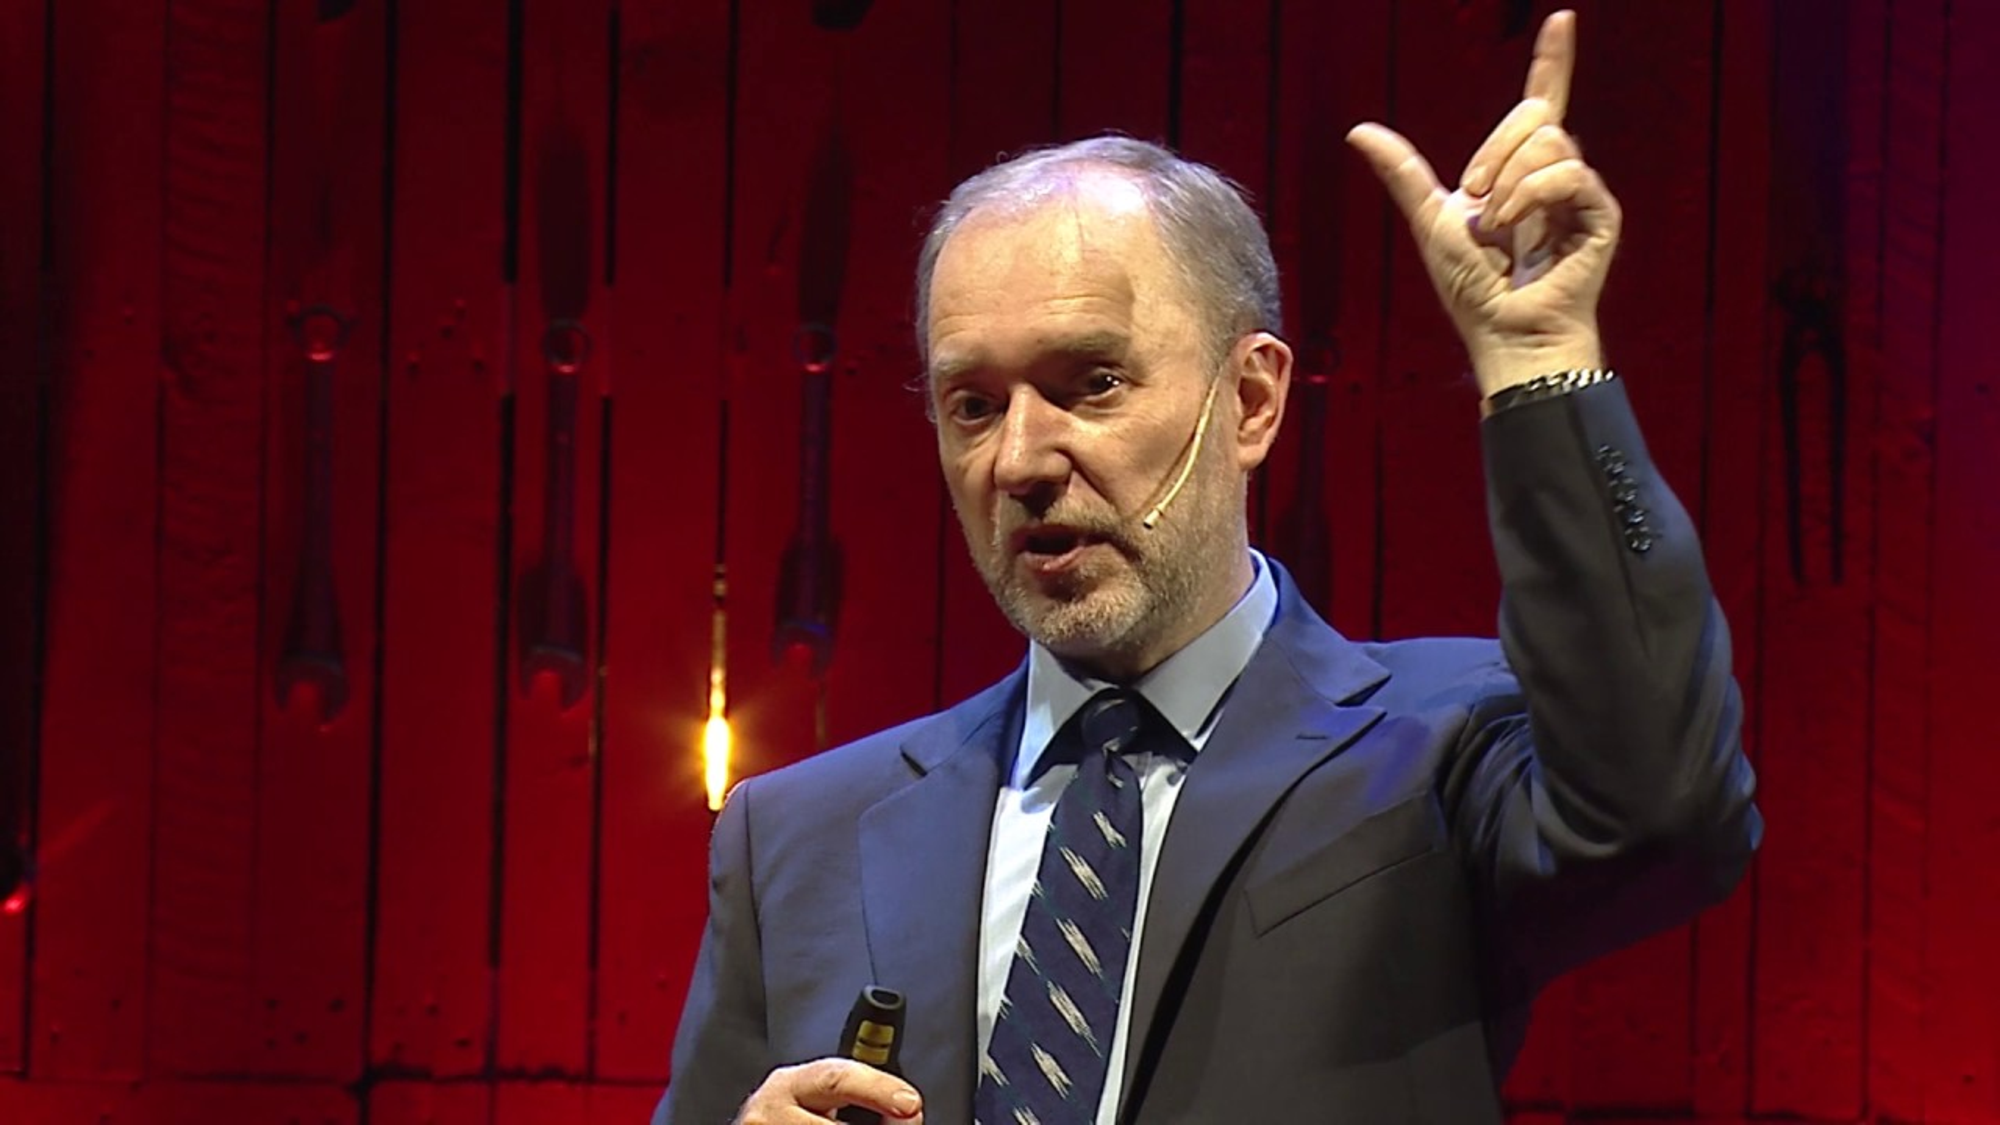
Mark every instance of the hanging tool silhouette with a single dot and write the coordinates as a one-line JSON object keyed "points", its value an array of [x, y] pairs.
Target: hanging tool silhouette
{"points": [[312, 648], [555, 639], [1812, 329], [809, 582]]}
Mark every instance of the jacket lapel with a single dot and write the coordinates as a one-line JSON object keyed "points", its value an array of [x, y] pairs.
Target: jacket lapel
{"points": [[1285, 715], [923, 873]]}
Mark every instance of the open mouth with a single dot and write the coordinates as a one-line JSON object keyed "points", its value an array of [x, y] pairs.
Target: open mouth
{"points": [[1052, 542], [1052, 549]]}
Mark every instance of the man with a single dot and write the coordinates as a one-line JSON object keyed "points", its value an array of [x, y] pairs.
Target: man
{"points": [[1202, 859]]}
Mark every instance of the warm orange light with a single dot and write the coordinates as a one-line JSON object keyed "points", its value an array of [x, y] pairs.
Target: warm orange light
{"points": [[715, 741], [715, 735]]}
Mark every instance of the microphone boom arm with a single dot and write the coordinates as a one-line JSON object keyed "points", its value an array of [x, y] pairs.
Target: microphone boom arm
{"points": [[1188, 459]]}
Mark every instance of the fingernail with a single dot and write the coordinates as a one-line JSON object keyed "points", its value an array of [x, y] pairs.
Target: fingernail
{"points": [[1474, 177], [906, 1103]]}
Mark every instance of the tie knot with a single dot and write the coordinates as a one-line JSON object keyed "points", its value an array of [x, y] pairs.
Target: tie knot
{"points": [[1112, 721]]}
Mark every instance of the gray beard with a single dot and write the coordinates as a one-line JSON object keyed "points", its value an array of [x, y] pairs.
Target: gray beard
{"points": [[1110, 610]]}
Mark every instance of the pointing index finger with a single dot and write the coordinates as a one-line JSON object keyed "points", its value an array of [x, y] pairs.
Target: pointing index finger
{"points": [[1555, 61]]}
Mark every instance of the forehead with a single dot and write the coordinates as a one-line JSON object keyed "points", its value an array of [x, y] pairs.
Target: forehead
{"points": [[1080, 259]]}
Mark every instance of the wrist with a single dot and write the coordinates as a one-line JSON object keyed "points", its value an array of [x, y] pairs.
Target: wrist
{"points": [[1501, 364]]}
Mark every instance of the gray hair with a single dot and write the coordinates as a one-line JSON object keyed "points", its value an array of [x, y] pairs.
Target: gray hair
{"points": [[1209, 232]]}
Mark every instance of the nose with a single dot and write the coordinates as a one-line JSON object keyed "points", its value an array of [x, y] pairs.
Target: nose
{"points": [[1033, 458]]}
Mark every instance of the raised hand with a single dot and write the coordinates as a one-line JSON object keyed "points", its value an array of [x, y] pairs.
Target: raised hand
{"points": [[1519, 250]]}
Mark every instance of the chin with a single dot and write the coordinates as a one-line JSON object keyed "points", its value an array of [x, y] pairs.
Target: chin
{"points": [[1091, 624]]}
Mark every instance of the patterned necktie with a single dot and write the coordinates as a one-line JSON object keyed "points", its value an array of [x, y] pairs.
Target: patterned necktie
{"points": [[1046, 1062]]}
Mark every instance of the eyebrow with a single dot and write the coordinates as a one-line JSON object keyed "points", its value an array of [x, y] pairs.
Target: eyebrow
{"points": [[1098, 345]]}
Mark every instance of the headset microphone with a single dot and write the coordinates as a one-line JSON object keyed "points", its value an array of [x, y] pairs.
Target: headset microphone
{"points": [[1187, 464], [874, 1035]]}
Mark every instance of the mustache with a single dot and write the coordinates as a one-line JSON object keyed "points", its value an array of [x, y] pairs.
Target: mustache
{"points": [[1111, 527]]}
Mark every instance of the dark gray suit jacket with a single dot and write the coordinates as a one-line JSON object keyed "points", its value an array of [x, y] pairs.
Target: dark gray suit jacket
{"points": [[1381, 855]]}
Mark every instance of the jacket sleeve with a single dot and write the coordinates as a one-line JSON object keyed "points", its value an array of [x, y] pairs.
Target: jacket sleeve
{"points": [[721, 1051], [1600, 793]]}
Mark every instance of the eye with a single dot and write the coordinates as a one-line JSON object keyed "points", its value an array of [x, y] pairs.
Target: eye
{"points": [[967, 407], [1102, 381]]}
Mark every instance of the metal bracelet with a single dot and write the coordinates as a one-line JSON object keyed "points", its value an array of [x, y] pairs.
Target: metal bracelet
{"points": [[1552, 385]]}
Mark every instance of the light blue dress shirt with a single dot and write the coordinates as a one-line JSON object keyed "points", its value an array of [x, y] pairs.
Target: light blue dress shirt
{"points": [[1188, 689]]}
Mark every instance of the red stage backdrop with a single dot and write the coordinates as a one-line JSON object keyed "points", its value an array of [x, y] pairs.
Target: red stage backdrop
{"points": [[383, 384]]}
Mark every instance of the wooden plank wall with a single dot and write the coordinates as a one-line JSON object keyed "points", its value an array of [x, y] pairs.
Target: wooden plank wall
{"points": [[351, 698]]}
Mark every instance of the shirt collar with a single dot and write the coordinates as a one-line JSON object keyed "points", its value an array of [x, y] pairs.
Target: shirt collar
{"points": [[1186, 688]]}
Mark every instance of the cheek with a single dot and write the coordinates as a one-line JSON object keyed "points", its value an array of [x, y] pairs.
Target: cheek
{"points": [[971, 507], [968, 484], [1131, 473]]}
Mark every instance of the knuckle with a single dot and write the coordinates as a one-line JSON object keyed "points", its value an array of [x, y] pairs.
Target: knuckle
{"points": [[825, 1076], [1552, 136], [1560, 176]]}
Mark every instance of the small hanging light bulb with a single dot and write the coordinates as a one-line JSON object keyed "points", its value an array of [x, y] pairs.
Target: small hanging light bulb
{"points": [[716, 738]]}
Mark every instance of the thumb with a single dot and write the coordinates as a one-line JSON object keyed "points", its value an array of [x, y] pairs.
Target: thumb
{"points": [[1398, 164]]}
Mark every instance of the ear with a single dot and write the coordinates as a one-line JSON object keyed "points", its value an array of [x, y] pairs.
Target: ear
{"points": [[1262, 364]]}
